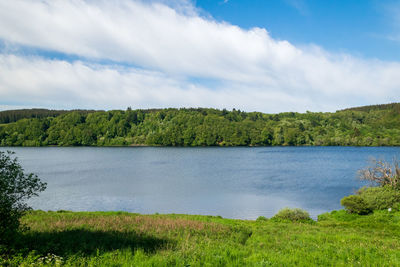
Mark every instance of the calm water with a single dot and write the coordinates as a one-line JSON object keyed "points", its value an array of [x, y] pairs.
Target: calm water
{"points": [[238, 182]]}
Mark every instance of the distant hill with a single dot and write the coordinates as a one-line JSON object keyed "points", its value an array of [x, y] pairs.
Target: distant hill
{"points": [[391, 106], [377, 125], [8, 116]]}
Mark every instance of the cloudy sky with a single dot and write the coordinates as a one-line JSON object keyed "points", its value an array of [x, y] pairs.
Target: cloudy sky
{"points": [[263, 55]]}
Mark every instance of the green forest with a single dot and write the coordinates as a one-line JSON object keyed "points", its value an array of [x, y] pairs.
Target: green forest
{"points": [[377, 125]]}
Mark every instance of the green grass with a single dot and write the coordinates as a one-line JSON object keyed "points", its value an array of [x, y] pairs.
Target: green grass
{"points": [[126, 239]]}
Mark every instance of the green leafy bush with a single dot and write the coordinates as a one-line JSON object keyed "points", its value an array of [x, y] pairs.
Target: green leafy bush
{"points": [[355, 204], [384, 196], [293, 215], [379, 198], [15, 188], [338, 216], [261, 219]]}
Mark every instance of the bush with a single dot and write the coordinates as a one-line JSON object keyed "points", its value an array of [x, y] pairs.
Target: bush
{"points": [[382, 173], [338, 216], [15, 188], [355, 204], [379, 198], [293, 215], [261, 219], [387, 195]]}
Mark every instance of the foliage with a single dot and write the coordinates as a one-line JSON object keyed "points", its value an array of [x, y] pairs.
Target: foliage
{"points": [[8, 116], [379, 198], [380, 219], [261, 219], [339, 215], [206, 127], [125, 239], [15, 188], [355, 204], [382, 173], [294, 215], [391, 106], [385, 195]]}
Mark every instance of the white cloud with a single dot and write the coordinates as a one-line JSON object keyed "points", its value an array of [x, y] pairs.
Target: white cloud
{"points": [[55, 83], [170, 45]]}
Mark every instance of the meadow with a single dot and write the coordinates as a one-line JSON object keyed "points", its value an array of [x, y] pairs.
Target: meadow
{"points": [[66, 238]]}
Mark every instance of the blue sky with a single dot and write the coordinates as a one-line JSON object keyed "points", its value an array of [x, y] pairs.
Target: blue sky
{"points": [[269, 56], [360, 27]]}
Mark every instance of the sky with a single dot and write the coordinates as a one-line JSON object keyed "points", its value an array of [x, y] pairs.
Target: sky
{"points": [[260, 55]]}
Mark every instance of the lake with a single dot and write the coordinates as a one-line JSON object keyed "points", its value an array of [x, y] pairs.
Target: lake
{"points": [[233, 182]]}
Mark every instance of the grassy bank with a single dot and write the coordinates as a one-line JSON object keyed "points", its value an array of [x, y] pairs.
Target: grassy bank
{"points": [[126, 239]]}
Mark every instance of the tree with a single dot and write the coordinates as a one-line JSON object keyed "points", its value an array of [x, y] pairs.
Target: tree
{"points": [[15, 188], [382, 173]]}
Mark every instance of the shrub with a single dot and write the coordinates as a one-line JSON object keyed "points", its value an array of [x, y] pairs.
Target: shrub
{"points": [[355, 204], [338, 216], [261, 219], [382, 173], [15, 188], [293, 215], [386, 195], [379, 198]]}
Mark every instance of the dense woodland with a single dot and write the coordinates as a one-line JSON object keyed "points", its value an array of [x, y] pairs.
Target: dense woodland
{"points": [[364, 126], [15, 115]]}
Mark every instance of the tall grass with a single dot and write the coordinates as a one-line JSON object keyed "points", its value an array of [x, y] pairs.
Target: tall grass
{"points": [[126, 239]]}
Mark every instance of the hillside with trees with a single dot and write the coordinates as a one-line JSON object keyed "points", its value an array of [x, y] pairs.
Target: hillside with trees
{"points": [[364, 126], [15, 115]]}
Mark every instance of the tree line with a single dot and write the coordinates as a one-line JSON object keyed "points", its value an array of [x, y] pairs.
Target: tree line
{"points": [[8, 116], [366, 126]]}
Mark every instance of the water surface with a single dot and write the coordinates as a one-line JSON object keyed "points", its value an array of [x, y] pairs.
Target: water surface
{"points": [[237, 182]]}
